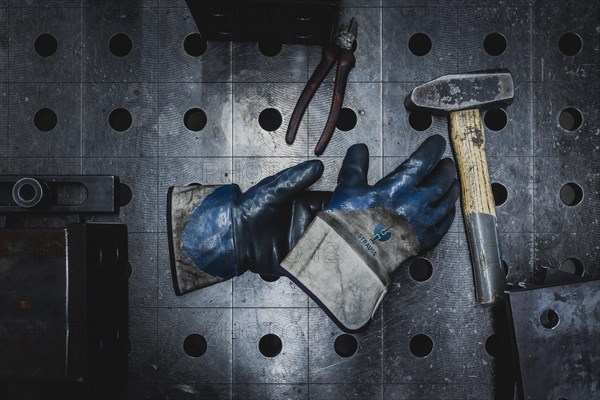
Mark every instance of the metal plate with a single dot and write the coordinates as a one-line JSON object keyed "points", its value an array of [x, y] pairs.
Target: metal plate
{"points": [[249, 137], [175, 325], [514, 23], [557, 356], [100, 139], [250, 65], [64, 309], [104, 19], [158, 82], [551, 23], [26, 25], [214, 139], [290, 325], [175, 24], [398, 26], [27, 99], [327, 367]]}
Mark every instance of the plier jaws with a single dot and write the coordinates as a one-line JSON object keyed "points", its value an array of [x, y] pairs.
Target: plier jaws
{"points": [[340, 51]]}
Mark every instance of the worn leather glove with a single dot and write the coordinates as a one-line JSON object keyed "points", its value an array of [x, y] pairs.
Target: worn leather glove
{"points": [[218, 232], [368, 231]]}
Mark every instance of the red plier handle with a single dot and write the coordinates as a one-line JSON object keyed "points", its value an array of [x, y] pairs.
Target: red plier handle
{"points": [[345, 64], [340, 51]]}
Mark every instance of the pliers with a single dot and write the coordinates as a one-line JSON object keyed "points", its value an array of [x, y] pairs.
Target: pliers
{"points": [[340, 49]]}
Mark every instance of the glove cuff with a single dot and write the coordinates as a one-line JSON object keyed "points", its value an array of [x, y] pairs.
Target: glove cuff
{"points": [[345, 260], [201, 241]]}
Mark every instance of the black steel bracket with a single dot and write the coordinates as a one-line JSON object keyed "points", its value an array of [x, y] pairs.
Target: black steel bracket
{"points": [[59, 194]]}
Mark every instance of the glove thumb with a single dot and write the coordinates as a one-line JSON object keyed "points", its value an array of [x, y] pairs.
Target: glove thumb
{"points": [[355, 166]]}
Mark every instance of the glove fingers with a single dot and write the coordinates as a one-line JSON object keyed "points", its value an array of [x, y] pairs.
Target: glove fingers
{"points": [[441, 179], [419, 165], [286, 184], [313, 200], [355, 166], [437, 232], [447, 202]]}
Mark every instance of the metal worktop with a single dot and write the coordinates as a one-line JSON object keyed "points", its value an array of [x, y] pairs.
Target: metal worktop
{"points": [[548, 138]]}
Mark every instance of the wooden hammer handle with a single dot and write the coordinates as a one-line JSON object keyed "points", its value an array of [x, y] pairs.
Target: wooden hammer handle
{"points": [[468, 140]]}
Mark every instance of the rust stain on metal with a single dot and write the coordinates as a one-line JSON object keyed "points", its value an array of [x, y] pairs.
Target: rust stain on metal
{"points": [[25, 304]]}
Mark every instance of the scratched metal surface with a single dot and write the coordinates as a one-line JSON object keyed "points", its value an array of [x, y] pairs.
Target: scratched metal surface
{"points": [[157, 82], [541, 345]]}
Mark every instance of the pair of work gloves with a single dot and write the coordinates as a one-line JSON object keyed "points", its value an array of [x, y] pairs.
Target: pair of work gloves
{"points": [[341, 248]]}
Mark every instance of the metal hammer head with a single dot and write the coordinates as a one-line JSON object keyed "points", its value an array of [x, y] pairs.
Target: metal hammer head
{"points": [[463, 91]]}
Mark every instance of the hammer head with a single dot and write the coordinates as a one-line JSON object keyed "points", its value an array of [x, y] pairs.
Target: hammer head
{"points": [[456, 92]]}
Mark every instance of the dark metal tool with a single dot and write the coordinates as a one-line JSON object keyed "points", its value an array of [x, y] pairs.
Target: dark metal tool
{"points": [[63, 311], [462, 96], [307, 22], [554, 331], [340, 50], [59, 194]]}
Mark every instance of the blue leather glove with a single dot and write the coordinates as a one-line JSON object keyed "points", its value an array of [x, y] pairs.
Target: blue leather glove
{"points": [[218, 232], [373, 230], [423, 189]]}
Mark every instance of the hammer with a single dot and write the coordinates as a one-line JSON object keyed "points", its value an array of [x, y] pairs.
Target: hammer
{"points": [[462, 96]]}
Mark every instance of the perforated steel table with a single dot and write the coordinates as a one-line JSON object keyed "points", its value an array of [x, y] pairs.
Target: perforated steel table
{"points": [[91, 102]]}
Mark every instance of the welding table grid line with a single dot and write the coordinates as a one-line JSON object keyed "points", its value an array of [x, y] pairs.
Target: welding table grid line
{"points": [[460, 231], [307, 112], [168, 82], [238, 157], [83, 5], [382, 117], [87, 5], [228, 307], [453, 5], [158, 196], [533, 131], [159, 6], [232, 88], [382, 102], [161, 83]]}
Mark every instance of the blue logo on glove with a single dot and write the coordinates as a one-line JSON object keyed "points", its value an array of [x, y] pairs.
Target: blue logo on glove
{"points": [[381, 233]]}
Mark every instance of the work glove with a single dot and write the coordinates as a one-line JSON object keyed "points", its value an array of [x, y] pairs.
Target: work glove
{"points": [[218, 232], [347, 255]]}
